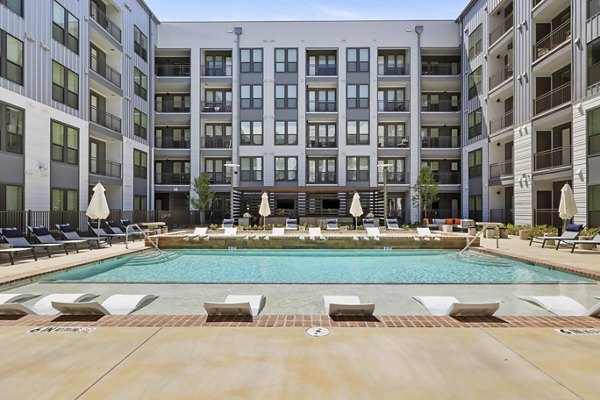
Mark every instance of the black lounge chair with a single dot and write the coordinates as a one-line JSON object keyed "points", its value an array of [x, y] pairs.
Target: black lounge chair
{"points": [[571, 233], [102, 233], [595, 242], [228, 223], [392, 224], [16, 238], [43, 235], [291, 224], [70, 233], [11, 252], [126, 223], [115, 229], [332, 224]]}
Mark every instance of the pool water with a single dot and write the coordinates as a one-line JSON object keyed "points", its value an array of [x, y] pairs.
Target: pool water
{"points": [[314, 266]]}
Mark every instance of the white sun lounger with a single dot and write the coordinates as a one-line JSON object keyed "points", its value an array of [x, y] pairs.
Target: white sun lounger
{"points": [[425, 233], [236, 305], [230, 231], [117, 304], [14, 297], [43, 306], [347, 305], [278, 232], [373, 232], [450, 306], [314, 233], [198, 232], [563, 306]]}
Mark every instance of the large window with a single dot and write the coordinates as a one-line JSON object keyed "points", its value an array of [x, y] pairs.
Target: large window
{"points": [[475, 86], [12, 122], [217, 136], [357, 132], [286, 60], [475, 126], [357, 169], [11, 58], [286, 133], [251, 168], [321, 135], [140, 123], [476, 207], [251, 60], [139, 202], [65, 143], [286, 169], [321, 100], [593, 131], [251, 133], [252, 96], [321, 170], [11, 198], [286, 96], [475, 163], [391, 135], [140, 43], [64, 200], [140, 164], [217, 172], [475, 42], [65, 28], [65, 85], [394, 171], [15, 6], [358, 96], [594, 205], [140, 83], [391, 100], [358, 60], [593, 62]]}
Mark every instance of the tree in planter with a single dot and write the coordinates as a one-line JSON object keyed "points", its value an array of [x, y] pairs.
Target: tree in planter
{"points": [[425, 190], [203, 196]]}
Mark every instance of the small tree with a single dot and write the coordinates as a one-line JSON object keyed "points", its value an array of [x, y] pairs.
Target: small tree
{"points": [[203, 196], [425, 190]]}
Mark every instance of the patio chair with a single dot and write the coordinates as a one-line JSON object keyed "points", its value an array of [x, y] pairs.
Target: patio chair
{"points": [[14, 297], [115, 229], [70, 233], [450, 306], [314, 233], [347, 305], [373, 232], [571, 233], [291, 224], [332, 224], [278, 232], [425, 234], [16, 238], [368, 223], [126, 223], [392, 224], [13, 251], [102, 233], [237, 305], [228, 223], [563, 306], [44, 305], [117, 304], [43, 235], [230, 231], [198, 233], [595, 241]]}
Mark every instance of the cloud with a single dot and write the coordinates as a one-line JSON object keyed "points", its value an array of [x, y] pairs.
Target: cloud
{"points": [[325, 12]]}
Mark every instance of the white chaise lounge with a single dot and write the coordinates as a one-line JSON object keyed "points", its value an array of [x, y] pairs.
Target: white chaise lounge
{"points": [[563, 306], [237, 305], [14, 297], [198, 232], [450, 306], [373, 232], [347, 305], [314, 233], [44, 305], [117, 304], [230, 231], [425, 234], [278, 232]]}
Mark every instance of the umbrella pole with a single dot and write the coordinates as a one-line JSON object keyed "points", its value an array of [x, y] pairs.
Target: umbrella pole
{"points": [[98, 230]]}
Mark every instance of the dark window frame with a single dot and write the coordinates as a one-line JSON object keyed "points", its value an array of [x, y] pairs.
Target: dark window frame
{"points": [[358, 174], [140, 123], [66, 95], [475, 87], [358, 101], [5, 63], [475, 163], [359, 137], [254, 101], [287, 101], [475, 128], [140, 164], [288, 139], [3, 193], [140, 43], [252, 65], [10, 5], [319, 128], [140, 202], [253, 138], [140, 83], [253, 174], [65, 198], [287, 66], [328, 172], [593, 135], [63, 152], [286, 174], [359, 65], [11, 142], [62, 34]]}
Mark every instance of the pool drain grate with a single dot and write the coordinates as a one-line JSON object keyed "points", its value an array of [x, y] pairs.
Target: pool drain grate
{"points": [[317, 331]]}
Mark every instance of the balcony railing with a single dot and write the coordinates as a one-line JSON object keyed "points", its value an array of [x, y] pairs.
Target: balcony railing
{"points": [[170, 178], [105, 119], [219, 178], [552, 40], [393, 141], [593, 74], [393, 70], [505, 216], [500, 76], [440, 69], [217, 142], [392, 177], [547, 216], [502, 122], [216, 106], [105, 168], [504, 168], [393, 106], [314, 106], [321, 143], [100, 17], [553, 98], [557, 157], [440, 106], [440, 142], [217, 71], [447, 178], [167, 142], [172, 70], [105, 71], [322, 177], [170, 106], [504, 27], [322, 70]]}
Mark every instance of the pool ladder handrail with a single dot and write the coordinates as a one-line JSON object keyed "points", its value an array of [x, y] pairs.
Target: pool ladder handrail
{"points": [[486, 226], [155, 245]]}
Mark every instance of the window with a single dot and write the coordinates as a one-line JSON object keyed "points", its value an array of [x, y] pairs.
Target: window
{"points": [[286, 169], [65, 85], [391, 135], [321, 135], [475, 83], [391, 63], [286, 60], [140, 124], [251, 133], [475, 123], [395, 170], [475, 163], [357, 132], [217, 172], [172, 103], [15, 6], [593, 8], [321, 100], [218, 100], [475, 207], [594, 205], [322, 65], [593, 62], [12, 122], [217, 136], [251, 96], [286, 96], [11, 198], [391, 100], [11, 58], [357, 168], [475, 43], [139, 203], [65, 143], [65, 28], [321, 170], [64, 200], [286, 133], [358, 96], [140, 43], [358, 60], [140, 83], [140, 164], [251, 60], [593, 131], [251, 168], [217, 64]]}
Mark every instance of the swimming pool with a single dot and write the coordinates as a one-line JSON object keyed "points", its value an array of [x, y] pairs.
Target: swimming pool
{"points": [[314, 266]]}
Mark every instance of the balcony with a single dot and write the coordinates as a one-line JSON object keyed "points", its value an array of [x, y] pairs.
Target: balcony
{"points": [[105, 71], [217, 142], [504, 168], [105, 168], [105, 119], [170, 106], [440, 106], [504, 27], [505, 216], [440, 142], [447, 178], [553, 158], [440, 69], [393, 106], [170, 178], [322, 70], [500, 123], [173, 70], [552, 40], [219, 178], [313, 106], [322, 177], [217, 71], [392, 70], [553, 98], [392, 177], [393, 141], [213, 106], [500, 76], [109, 26], [168, 142], [321, 143]]}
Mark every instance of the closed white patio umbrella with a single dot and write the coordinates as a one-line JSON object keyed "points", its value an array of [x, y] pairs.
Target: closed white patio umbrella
{"points": [[98, 207], [567, 207], [356, 209], [264, 210]]}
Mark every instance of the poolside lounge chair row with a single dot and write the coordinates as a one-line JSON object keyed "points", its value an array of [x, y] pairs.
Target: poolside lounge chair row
{"points": [[569, 237], [291, 224]]}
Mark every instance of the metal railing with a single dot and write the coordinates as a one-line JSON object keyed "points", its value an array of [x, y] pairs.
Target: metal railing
{"points": [[169, 142], [502, 122], [322, 177], [314, 106], [217, 71], [393, 141], [593, 74], [214, 106], [105, 119], [500, 76], [383, 69], [504, 216], [440, 142], [105, 168], [321, 142], [504, 168], [392, 106], [553, 98], [102, 19], [170, 106], [440, 69], [170, 178], [547, 216], [105, 71], [552, 40], [447, 178], [392, 177], [440, 106], [552, 158], [219, 178], [504, 27], [321, 70], [217, 142], [172, 69]]}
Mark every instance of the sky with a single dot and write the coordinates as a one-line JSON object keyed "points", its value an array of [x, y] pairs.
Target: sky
{"points": [[303, 10]]}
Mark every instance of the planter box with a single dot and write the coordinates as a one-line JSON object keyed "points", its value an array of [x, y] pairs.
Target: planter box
{"points": [[523, 234], [503, 233], [585, 246]]}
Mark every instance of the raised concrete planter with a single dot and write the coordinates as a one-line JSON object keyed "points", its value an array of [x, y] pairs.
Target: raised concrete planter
{"points": [[523, 234], [585, 246]]}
